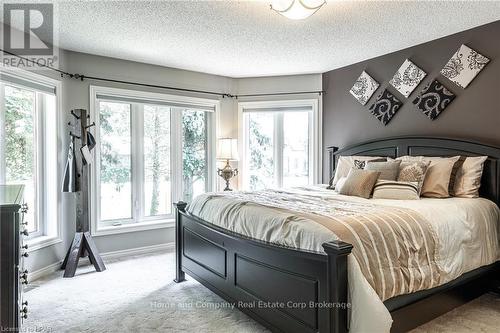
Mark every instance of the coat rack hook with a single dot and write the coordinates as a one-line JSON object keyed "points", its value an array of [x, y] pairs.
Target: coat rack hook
{"points": [[73, 135], [75, 115], [89, 126]]}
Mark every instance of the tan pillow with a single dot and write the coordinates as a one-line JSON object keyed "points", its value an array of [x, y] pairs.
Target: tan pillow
{"points": [[454, 171], [359, 183], [388, 170], [468, 178], [413, 172], [438, 175], [344, 165]]}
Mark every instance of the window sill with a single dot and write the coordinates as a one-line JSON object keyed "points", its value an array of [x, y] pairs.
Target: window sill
{"points": [[40, 242], [133, 227]]}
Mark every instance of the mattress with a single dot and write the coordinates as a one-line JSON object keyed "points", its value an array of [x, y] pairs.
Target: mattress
{"points": [[466, 234]]}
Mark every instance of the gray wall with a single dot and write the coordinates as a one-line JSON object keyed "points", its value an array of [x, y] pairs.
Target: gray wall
{"points": [[474, 114], [76, 95]]}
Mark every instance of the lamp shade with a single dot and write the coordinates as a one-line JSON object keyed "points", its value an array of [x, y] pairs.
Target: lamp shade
{"points": [[227, 149]]}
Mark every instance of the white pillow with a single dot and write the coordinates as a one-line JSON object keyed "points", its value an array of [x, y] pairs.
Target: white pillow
{"points": [[468, 179]]}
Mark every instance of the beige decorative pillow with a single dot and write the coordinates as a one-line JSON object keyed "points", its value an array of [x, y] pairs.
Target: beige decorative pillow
{"points": [[388, 170], [344, 165], [468, 178], [454, 171], [438, 175], [359, 183], [388, 189], [413, 172]]}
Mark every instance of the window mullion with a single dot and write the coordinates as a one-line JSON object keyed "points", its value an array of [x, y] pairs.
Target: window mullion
{"points": [[137, 162], [2, 135], [278, 148], [39, 163], [176, 153]]}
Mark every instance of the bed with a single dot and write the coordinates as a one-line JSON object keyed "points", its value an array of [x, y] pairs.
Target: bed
{"points": [[302, 284]]}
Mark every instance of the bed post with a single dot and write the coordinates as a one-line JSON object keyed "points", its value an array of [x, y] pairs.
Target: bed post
{"points": [[331, 160], [179, 274], [337, 286]]}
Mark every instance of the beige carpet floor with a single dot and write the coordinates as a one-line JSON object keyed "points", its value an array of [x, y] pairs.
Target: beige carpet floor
{"points": [[137, 295]]}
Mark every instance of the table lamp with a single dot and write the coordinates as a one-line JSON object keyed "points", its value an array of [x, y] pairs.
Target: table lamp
{"points": [[227, 150]]}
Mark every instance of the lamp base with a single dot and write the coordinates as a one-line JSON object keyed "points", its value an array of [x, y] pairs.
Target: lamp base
{"points": [[227, 173]]}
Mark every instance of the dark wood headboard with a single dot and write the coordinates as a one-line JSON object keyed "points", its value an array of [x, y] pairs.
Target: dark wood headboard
{"points": [[430, 146]]}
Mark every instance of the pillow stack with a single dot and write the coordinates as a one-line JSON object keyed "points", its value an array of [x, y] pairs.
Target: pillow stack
{"points": [[346, 163], [409, 177]]}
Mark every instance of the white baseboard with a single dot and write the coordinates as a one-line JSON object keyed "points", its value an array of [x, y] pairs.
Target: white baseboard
{"points": [[33, 276], [47, 270]]}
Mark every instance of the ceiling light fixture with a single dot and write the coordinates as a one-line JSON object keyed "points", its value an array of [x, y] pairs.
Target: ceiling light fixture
{"points": [[297, 9]]}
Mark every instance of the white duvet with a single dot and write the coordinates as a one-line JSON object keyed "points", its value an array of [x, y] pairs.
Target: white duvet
{"points": [[467, 231]]}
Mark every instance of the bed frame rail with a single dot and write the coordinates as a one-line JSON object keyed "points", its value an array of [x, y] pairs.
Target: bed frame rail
{"points": [[284, 289]]}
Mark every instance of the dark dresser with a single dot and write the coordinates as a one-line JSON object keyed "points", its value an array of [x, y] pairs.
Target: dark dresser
{"points": [[13, 276]]}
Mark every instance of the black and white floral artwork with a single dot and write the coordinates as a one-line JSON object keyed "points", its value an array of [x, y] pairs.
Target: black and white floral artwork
{"points": [[364, 87], [385, 107], [433, 99], [463, 67], [407, 78]]}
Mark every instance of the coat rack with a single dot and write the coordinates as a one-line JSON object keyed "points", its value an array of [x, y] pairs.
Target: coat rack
{"points": [[83, 245]]}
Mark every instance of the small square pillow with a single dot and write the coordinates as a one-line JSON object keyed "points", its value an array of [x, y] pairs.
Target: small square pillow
{"points": [[344, 165], [359, 183], [438, 175], [413, 172], [388, 189], [388, 170], [468, 180]]}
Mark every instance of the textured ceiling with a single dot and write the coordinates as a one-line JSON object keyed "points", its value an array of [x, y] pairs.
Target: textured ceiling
{"points": [[243, 38]]}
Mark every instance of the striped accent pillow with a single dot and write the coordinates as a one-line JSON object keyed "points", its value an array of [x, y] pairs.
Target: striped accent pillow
{"points": [[390, 189]]}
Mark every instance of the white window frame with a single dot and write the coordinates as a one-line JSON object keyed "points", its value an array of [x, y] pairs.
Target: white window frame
{"points": [[47, 212], [161, 221], [315, 136]]}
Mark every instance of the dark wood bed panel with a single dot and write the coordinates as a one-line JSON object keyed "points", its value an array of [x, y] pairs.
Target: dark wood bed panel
{"points": [[271, 283]]}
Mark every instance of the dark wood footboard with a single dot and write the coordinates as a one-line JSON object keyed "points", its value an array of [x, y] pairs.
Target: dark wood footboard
{"points": [[284, 289]]}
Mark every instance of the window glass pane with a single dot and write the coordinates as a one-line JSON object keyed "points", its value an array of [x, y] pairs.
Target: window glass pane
{"points": [[260, 150], [194, 153], [20, 143], [296, 149], [116, 171], [157, 177]]}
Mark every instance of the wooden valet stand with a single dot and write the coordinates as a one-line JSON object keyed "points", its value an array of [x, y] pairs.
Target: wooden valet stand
{"points": [[83, 245]]}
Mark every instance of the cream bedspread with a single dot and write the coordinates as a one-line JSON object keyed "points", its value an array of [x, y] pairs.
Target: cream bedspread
{"points": [[466, 234]]}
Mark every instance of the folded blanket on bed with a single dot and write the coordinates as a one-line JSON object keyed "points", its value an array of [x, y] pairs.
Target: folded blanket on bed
{"points": [[396, 248]]}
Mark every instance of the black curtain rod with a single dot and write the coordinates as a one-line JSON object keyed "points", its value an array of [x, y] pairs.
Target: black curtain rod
{"points": [[94, 78]]}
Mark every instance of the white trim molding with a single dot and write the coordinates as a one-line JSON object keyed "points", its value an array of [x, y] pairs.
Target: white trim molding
{"points": [[48, 179], [138, 221], [315, 125], [52, 268]]}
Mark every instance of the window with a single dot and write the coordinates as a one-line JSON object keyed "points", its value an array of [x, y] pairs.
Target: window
{"points": [[28, 148], [279, 143], [153, 150]]}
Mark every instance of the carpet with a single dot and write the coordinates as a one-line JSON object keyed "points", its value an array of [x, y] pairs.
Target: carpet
{"points": [[136, 294]]}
